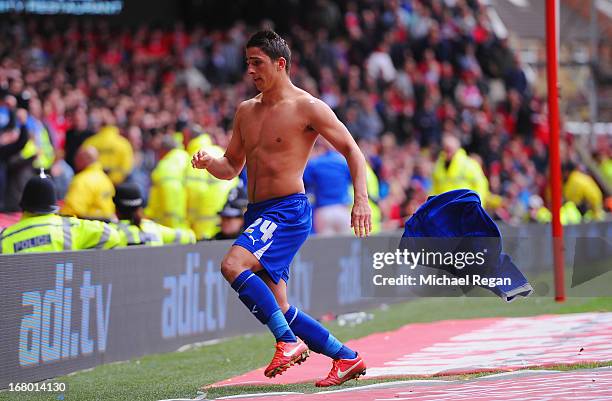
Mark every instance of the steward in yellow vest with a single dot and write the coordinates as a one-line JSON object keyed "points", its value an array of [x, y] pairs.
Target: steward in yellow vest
{"points": [[39, 146], [135, 230], [116, 154], [454, 169], [206, 194], [90, 194], [570, 214], [168, 196], [583, 191], [374, 197]]}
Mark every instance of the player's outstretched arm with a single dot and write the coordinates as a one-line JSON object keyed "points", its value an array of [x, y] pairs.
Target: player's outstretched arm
{"points": [[232, 162], [324, 121]]}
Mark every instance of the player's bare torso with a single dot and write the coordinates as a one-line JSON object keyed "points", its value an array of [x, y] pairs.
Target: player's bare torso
{"points": [[277, 140]]}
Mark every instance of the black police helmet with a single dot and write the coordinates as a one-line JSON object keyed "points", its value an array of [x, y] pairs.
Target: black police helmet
{"points": [[128, 197], [231, 211], [39, 195]]}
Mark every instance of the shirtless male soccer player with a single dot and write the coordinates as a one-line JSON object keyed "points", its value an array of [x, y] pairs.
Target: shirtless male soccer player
{"points": [[274, 133]]}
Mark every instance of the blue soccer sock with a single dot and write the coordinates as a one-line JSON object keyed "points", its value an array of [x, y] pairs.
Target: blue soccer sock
{"points": [[258, 298], [279, 327], [317, 337], [345, 353]]}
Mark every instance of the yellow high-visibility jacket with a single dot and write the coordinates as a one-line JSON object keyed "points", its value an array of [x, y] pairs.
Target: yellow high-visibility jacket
{"points": [[463, 172], [569, 214], [90, 195], [199, 142], [374, 197], [606, 169], [168, 196], [41, 148], [116, 154], [152, 234], [206, 195], [581, 188], [543, 215], [50, 232]]}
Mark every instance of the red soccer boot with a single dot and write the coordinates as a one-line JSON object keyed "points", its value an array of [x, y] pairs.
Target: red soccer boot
{"points": [[286, 355], [343, 370]]}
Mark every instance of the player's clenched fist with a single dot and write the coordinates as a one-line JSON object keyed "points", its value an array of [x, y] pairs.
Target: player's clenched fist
{"points": [[201, 159]]}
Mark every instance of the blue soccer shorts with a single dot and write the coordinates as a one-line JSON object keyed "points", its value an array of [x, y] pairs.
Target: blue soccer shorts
{"points": [[275, 231]]}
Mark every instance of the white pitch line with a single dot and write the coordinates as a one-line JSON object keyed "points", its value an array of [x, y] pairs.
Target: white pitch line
{"points": [[199, 397], [386, 384], [518, 372], [234, 397], [188, 347]]}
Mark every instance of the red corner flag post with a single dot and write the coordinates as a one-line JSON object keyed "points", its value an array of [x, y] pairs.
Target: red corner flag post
{"points": [[555, 163]]}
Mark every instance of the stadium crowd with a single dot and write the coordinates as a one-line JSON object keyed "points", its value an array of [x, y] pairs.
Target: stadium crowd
{"points": [[435, 99]]}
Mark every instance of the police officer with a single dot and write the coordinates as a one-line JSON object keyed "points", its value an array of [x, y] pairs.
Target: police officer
{"points": [[232, 220], [42, 230], [136, 230]]}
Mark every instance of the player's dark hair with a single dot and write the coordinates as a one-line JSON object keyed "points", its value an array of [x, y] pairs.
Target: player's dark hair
{"points": [[272, 45]]}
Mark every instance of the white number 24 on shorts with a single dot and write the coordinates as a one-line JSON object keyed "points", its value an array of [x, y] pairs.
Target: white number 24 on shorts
{"points": [[267, 228]]}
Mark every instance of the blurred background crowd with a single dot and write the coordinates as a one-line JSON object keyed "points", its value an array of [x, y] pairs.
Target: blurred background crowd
{"points": [[436, 99]]}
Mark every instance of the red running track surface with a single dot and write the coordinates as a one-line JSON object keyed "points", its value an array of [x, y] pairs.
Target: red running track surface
{"points": [[465, 346]]}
